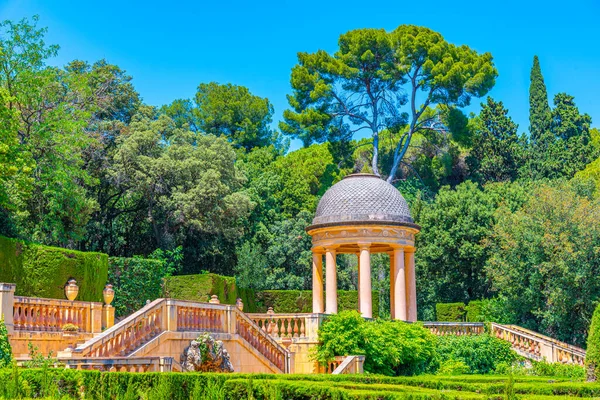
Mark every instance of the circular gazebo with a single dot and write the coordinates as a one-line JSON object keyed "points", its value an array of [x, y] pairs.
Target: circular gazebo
{"points": [[363, 214]]}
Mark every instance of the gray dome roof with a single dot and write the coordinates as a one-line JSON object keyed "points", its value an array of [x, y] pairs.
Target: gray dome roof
{"points": [[362, 198]]}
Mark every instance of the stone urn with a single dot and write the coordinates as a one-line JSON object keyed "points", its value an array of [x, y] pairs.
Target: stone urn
{"points": [[214, 299], [71, 289], [109, 294], [239, 304]]}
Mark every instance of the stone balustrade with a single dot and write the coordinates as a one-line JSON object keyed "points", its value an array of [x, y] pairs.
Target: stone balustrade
{"points": [[330, 366], [538, 347], [127, 335], [302, 326], [207, 318], [50, 315], [261, 341], [282, 325], [455, 328], [350, 365], [121, 364], [164, 315]]}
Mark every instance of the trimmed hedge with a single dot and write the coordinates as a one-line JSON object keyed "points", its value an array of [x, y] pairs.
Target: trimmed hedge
{"points": [[200, 287], [473, 311], [43, 271], [450, 312], [72, 384], [300, 301], [459, 312]]}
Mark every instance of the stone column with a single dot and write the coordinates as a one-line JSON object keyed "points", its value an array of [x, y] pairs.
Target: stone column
{"points": [[364, 273], [331, 277], [399, 285], [7, 302], [317, 283], [392, 285], [411, 284]]}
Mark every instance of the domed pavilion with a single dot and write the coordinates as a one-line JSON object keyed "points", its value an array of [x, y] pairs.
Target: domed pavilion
{"points": [[363, 215]]}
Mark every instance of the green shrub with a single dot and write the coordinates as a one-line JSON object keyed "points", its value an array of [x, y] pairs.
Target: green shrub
{"points": [[5, 349], [481, 353], [473, 311], [135, 280], [592, 356], [450, 312], [43, 271], [390, 347]]}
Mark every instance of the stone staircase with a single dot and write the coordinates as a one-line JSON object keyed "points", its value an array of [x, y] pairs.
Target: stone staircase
{"points": [[165, 327]]}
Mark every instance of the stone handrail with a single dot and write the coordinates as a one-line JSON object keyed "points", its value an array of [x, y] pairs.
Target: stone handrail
{"points": [[262, 341], [50, 315], [538, 347], [455, 328], [350, 365], [184, 316], [128, 334]]}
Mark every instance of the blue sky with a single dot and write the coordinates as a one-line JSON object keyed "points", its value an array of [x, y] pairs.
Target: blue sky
{"points": [[170, 47]]}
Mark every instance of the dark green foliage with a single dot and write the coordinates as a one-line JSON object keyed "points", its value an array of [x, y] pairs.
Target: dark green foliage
{"points": [[5, 349], [450, 312], [135, 280], [544, 262], [540, 117], [481, 353], [497, 153], [43, 271], [390, 347], [592, 356]]}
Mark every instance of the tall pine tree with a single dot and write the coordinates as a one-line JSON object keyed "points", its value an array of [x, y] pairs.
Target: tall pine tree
{"points": [[540, 116], [497, 151]]}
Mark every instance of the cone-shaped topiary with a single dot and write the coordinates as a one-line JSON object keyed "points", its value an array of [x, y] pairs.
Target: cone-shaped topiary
{"points": [[5, 349], [592, 356]]}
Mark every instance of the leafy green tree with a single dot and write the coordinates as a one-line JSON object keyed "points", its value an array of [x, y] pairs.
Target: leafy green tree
{"points": [[452, 243], [5, 349], [183, 114], [52, 118], [185, 183], [496, 154], [540, 116], [543, 260], [234, 112], [365, 83]]}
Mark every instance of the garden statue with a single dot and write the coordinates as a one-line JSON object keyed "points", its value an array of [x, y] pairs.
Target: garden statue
{"points": [[206, 355]]}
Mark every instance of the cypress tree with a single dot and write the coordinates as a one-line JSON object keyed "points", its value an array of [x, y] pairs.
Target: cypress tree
{"points": [[540, 116], [592, 356]]}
